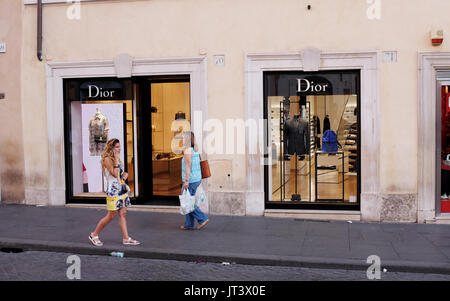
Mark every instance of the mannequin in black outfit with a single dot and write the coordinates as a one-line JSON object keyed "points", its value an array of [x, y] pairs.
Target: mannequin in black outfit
{"points": [[296, 136]]}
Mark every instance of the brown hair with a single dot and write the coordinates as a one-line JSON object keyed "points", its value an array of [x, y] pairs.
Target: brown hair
{"points": [[190, 140], [108, 151]]}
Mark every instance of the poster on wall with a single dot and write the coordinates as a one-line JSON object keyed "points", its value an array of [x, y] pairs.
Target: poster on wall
{"points": [[100, 122]]}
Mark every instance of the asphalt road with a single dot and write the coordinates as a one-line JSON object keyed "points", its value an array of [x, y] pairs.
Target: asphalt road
{"points": [[50, 266]]}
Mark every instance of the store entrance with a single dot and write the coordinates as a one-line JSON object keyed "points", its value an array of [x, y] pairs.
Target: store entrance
{"points": [[165, 111]]}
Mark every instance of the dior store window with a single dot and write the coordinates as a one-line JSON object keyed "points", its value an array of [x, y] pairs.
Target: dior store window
{"points": [[313, 140], [95, 112], [443, 142]]}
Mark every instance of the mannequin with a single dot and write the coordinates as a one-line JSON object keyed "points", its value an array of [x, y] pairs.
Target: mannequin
{"points": [[178, 126], [326, 124], [296, 136], [98, 133], [296, 133]]}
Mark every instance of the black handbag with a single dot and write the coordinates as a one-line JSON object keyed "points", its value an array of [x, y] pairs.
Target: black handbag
{"points": [[180, 115]]}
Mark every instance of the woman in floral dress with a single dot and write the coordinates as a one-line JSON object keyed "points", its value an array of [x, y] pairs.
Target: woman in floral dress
{"points": [[117, 193]]}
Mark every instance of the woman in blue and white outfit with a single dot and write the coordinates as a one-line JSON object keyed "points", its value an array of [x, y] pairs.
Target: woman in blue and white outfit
{"points": [[192, 177]]}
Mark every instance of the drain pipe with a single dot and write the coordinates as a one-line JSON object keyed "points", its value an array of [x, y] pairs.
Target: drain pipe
{"points": [[39, 30]]}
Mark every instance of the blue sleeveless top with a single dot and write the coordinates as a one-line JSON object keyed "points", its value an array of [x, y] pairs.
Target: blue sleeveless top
{"points": [[196, 172]]}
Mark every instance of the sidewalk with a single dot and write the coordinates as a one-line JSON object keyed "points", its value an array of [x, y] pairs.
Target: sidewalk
{"points": [[235, 239]]}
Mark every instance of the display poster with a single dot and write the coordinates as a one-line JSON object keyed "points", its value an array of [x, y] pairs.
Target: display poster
{"points": [[115, 114]]}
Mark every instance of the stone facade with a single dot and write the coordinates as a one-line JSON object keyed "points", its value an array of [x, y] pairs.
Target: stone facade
{"points": [[398, 208]]}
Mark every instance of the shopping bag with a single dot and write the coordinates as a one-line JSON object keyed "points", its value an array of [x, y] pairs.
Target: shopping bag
{"points": [[187, 202], [201, 200]]}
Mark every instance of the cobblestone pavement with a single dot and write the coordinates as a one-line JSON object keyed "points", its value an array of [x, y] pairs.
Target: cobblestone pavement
{"points": [[50, 266]]}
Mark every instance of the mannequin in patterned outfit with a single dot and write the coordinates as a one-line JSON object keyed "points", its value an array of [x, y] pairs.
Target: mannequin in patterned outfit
{"points": [[98, 133], [117, 194]]}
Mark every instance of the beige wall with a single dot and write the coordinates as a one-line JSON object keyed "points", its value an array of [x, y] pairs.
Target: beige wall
{"points": [[12, 182], [180, 28]]}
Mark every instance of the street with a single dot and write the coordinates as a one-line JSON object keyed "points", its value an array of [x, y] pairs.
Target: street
{"points": [[50, 266]]}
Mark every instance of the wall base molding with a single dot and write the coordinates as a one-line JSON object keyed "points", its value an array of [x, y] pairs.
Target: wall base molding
{"points": [[314, 214]]}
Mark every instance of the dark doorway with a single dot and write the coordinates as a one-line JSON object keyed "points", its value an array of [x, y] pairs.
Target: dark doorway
{"points": [[162, 103]]}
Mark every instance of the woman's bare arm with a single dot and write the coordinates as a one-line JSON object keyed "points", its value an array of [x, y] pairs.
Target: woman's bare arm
{"points": [[187, 160], [109, 165]]}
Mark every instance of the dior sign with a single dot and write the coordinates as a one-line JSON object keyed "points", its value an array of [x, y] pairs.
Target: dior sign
{"points": [[95, 91], [305, 85]]}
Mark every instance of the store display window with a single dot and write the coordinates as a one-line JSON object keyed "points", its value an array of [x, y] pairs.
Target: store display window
{"points": [[313, 120], [97, 111], [445, 150]]}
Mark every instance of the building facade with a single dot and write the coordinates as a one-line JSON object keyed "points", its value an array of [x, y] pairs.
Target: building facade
{"points": [[259, 82]]}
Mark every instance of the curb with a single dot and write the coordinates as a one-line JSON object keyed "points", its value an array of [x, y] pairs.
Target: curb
{"points": [[217, 257]]}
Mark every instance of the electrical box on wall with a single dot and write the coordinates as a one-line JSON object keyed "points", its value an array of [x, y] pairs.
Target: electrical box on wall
{"points": [[437, 37], [219, 60]]}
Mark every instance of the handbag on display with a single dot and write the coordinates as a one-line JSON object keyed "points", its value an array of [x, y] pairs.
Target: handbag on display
{"points": [[180, 115], [329, 141], [204, 166], [100, 138]]}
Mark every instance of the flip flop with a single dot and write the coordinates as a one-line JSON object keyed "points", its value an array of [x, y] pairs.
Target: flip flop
{"points": [[202, 224]]}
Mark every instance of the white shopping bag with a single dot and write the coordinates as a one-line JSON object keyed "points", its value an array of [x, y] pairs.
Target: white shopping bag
{"points": [[201, 200], [187, 202]]}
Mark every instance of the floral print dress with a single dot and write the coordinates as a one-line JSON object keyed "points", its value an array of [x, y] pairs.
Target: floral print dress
{"points": [[117, 192]]}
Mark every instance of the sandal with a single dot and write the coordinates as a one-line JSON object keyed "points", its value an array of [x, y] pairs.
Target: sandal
{"points": [[130, 242], [95, 240], [202, 224], [185, 228]]}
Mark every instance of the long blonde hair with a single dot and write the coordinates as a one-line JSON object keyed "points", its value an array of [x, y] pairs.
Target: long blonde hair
{"points": [[108, 152]]}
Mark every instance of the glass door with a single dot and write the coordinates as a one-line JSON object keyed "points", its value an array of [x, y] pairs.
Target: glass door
{"points": [[166, 112]]}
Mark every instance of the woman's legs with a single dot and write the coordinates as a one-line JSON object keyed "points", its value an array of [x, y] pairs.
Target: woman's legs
{"points": [[199, 216], [189, 223], [193, 187], [123, 222], [123, 226], [103, 222], [197, 213]]}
